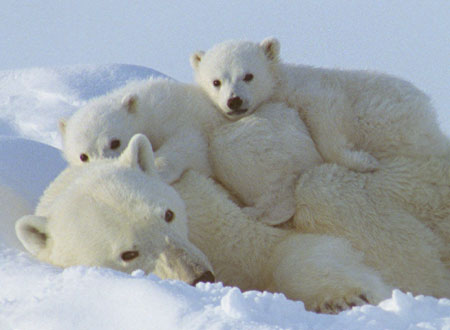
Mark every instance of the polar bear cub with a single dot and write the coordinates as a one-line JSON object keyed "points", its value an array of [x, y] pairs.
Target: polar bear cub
{"points": [[175, 117], [258, 159], [354, 117]]}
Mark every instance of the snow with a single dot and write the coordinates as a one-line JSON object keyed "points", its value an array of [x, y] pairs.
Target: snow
{"points": [[36, 296]]}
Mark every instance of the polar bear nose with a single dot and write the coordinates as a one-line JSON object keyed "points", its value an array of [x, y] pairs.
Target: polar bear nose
{"points": [[206, 277], [234, 103]]}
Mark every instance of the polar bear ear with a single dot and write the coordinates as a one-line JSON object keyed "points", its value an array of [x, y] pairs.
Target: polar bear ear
{"points": [[271, 48], [139, 154], [31, 232], [196, 58], [130, 102], [62, 124]]}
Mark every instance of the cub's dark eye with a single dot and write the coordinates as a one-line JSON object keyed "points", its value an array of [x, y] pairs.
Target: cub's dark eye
{"points": [[169, 216], [217, 83], [129, 255], [248, 77], [84, 158], [114, 144]]}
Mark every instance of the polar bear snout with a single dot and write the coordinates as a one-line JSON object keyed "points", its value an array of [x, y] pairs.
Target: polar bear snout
{"points": [[234, 103]]}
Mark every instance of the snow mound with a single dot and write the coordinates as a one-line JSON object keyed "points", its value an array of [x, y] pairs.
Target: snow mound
{"points": [[33, 100], [35, 296]]}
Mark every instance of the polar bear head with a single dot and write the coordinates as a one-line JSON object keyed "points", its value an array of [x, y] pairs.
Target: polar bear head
{"points": [[115, 213], [237, 75], [100, 129]]}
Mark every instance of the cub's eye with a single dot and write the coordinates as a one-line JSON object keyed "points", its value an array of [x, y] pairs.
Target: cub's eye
{"points": [[129, 255], [169, 216], [248, 77], [217, 83], [114, 144], [84, 158]]}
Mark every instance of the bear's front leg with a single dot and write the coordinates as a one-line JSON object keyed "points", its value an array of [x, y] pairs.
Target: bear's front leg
{"points": [[334, 128], [188, 149], [326, 273]]}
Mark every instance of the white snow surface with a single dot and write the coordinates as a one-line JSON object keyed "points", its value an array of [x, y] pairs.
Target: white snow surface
{"points": [[38, 296]]}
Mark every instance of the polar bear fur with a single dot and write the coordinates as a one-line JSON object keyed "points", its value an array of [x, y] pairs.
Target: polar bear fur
{"points": [[176, 117], [180, 121], [260, 158], [363, 207], [91, 214], [96, 214], [355, 118]]}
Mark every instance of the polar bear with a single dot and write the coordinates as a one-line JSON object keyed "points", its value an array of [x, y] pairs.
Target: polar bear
{"points": [[176, 117], [118, 213], [260, 158], [355, 118], [363, 206], [273, 145]]}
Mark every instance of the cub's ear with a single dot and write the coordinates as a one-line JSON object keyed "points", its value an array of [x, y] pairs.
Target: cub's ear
{"points": [[130, 103], [62, 124], [271, 48], [196, 58], [139, 154], [31, 232]]}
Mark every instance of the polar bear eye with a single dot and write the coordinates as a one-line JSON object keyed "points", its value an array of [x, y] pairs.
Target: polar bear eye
{"points": [[129, 255], [114, 144], [217, 83], [84, 158], [169, 216], [248, 77]]}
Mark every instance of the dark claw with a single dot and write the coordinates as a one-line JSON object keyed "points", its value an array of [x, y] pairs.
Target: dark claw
{"points": [[364, 298]]}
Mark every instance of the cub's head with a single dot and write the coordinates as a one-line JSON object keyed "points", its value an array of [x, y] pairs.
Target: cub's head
{"points": [[115, 213], [100, 129], [237, 75]]}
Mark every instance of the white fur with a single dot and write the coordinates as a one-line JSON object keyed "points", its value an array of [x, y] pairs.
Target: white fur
{"points": [[398, 215], [355, 118], [176, 117], [92, 213], [259, 158], [180, 122]]}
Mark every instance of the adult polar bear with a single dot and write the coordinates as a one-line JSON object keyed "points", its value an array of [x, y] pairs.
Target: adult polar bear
{"points": [[354, 117], [140, 222], [118, 213]]}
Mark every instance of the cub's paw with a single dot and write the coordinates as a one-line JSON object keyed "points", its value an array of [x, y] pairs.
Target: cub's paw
{"points": [[359, 161], [339, 304]]}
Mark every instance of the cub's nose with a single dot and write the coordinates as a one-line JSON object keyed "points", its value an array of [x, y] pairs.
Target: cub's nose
{"points": [[234, 103], [206, 277]]}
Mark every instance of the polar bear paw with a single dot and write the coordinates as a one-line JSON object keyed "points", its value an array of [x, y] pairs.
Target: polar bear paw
{"points": [[339, 304], [359, 161]]}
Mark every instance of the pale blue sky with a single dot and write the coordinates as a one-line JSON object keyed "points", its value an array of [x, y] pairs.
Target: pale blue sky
{"points": [[408, 38]]}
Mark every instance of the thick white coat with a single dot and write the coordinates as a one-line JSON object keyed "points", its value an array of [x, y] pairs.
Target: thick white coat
{"points": [[176, 117], [90, 215], [355, 118], [259, 158], [181, 123]]}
